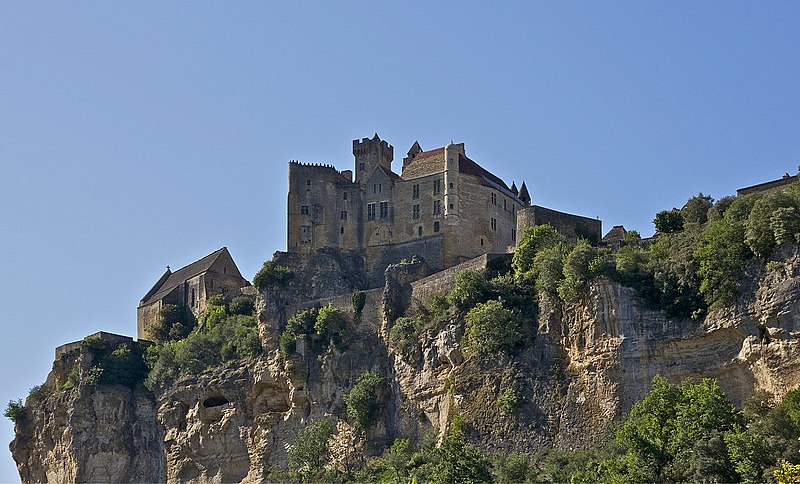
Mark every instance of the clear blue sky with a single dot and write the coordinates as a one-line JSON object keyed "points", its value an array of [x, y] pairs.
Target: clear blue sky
{"points": [[139, 134]]}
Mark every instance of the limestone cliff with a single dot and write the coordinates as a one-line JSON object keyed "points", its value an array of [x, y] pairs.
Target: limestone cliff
{"points": [[582, 366]]}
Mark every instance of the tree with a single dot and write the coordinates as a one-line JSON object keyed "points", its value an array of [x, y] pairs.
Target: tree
{"points": [[722, 257], [272, 274], [696, 209], [460, 462], [490, 327], [577, 270], [362, 399], [760, 227], [668, 221], [310, 451], [533, 241], [15, 410]]}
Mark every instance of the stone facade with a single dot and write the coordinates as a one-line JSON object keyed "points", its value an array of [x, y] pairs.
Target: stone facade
{"points": [[443, 207], [573, 227], [189, 287]]}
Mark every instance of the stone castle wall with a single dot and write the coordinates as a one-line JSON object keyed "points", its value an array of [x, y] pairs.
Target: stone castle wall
{"points": [[573, 227]]}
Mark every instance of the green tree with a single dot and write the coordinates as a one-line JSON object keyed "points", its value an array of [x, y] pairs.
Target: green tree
{"points": [[363, 398], [547, 271], [490, 327], [722, 256], [15, 410], [460, 462], [470, 288], [696, 209], [244, 305], [577, 270], [270, 274], [760, 233], [533, 241], [668, 221], [311, 451], [330, 323]]}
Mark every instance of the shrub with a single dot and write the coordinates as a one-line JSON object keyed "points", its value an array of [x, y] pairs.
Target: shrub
{"points": [[216, 300], [509, 400], [310, 451], [534, 240], [362, 399], [123, 365], [331, 323], [358, 300], [40, 392], [760, 227], [469, 289], [244, 305], [696, 209], [548, 269], [404, 336], [490, 327], [301, 323], [577, 270], [173, 323], [722, 257], [272, 274], [15, 410], [668, 221], [459, 461]]}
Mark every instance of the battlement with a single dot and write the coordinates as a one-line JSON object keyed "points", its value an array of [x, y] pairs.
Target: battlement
{"points": [[294, 164], [364, 144]]}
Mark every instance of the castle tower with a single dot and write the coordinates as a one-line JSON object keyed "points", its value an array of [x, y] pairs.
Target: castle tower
{"points": [[370, 153], [451, 186]]}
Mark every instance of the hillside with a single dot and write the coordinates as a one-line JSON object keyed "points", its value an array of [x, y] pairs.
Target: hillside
{"points": [[318, 375]]}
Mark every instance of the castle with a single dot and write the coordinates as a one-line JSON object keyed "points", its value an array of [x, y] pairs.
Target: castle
{"points": [[443, 206]]}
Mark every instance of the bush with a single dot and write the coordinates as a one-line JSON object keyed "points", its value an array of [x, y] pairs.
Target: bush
{"points": [[548, 269], [534, 240], [15, 410], [310, 451], [244, 305], [272, 274], [696, 209], [301, 323], [358, 300], [459, 461], [490, 328], [362, 399], [509, 401], [668, 221], [173, 323], [470, 288], [331, 323], [765, 217], [722, 257], [578, 269], [404, 336], [124, 365], [40, 392]]}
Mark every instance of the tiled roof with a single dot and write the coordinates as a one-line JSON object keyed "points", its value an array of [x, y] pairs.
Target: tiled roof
{"points": [[425, 164], [465, 165], [178, 277], [392, 175], [616, 234]]}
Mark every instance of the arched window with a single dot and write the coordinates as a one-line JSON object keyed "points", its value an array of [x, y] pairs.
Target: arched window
{"points": [[435, 226]]}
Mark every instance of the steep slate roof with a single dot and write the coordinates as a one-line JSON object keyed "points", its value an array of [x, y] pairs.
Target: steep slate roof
{"points": [[178, 277], [424, 164], [616, 234], [465, 165]]}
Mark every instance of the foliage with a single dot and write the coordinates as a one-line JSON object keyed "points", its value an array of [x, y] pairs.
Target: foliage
{"points": [[695, 211], [229, 337], [470, 289], [722, 257], [40, 392], [668, 221], [15, 410], [404, 336], [173, 323], [675, 273], [122, 365], [534, 240], [490, 327], [310, 451], [270, 274], [459, 461], [331, 324], [547, 271], [358, 300], [766, 216], [509, 400], [580, 265], [363, 398], [243, 305]]}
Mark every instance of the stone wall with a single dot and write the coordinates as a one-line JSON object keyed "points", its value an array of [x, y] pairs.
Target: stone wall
{"points": [[573, 227], [379, 258], [442, 282]]}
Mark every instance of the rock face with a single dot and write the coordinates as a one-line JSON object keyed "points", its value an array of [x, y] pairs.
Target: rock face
{"points": [[582, 366]]}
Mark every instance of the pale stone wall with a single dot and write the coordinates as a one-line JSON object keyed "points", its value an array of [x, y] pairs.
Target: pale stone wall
{"points": [[406, 226], [571, 226]]}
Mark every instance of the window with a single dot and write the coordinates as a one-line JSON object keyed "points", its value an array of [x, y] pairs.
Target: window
{"points": [[305, 233], [377, 188], [415, 191], [304, 210], [344, 196], [193, 296], [494, 224], [435, 226], [419, 230], [437, 207], [504, 204], [308, 183], [451, 206], [481, 240], [341, 230], [343, 215], [437, 186], [513, 235], [494, 199], [370, 211], [384, 209], [361, 166], [415, 212]]}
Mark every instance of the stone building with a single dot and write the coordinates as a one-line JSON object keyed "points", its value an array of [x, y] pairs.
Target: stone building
{"points": [[443, 207], [770, 186], [189, 287]]}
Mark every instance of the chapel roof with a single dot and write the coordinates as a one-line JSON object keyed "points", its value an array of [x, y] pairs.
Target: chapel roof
{"points": [[174, 279]]}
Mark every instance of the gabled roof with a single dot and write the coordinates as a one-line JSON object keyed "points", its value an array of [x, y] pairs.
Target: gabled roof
{"points": [[174, 279], [392, 175], [465, 165], [616, 234]]}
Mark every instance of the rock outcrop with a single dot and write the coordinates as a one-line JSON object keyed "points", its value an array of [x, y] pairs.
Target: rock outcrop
{"points": [[581, 367]]}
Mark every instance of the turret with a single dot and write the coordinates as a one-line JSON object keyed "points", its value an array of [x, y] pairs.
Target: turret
{"points": [[524, 197], [452, 152], [514, 189], [370, 153], [412, 153]]}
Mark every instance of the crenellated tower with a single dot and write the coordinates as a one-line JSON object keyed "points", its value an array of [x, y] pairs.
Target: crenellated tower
{"points": [[370, 153]]}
